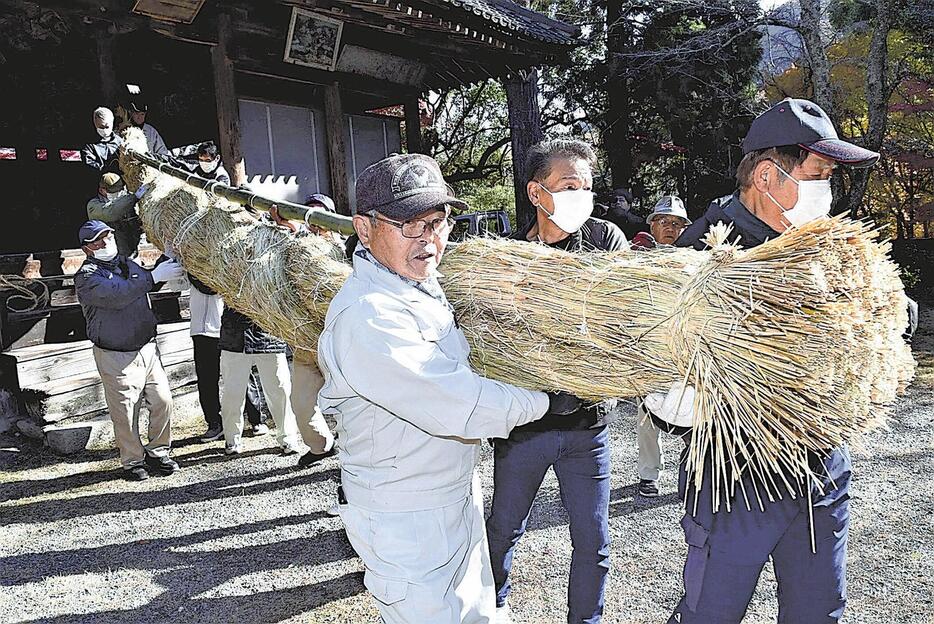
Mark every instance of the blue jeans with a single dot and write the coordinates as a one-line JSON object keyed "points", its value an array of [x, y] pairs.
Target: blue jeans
{"points": [[727, 549], [581, 461]]}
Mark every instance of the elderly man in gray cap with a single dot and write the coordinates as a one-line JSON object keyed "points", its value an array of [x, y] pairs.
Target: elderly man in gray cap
{"points": [[410, 412]]}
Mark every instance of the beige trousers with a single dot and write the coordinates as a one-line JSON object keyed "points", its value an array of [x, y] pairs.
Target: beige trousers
{"points": [[127, 378], [277, 385], [306, 382]]}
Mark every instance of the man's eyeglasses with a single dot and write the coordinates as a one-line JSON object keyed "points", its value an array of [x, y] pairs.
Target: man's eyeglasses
{"points": [[675, 222], [415, 228]]}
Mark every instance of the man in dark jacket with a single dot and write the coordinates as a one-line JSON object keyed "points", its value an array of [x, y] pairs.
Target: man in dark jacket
{"points": [[243, 345], [619, 212], [101, 155], [576, 446], [113, 293], [209, 164], [784, 181]]}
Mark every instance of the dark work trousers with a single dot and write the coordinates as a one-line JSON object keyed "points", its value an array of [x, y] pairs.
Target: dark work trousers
{"points": [[581, 461], [727, 549], [208, 370]]}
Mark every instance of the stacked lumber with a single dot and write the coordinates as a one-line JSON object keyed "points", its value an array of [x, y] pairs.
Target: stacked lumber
{"points": [[58, 384]]}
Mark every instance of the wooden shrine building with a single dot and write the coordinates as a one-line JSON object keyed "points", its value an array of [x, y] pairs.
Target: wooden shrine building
{"points": [[291, 90]]}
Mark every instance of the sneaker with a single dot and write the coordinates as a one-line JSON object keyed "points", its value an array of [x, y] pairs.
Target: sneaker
{"points": [[334, 511], [288, 449], [234, 450], [260, 429], [161, 465], [503, 615], [213, 434], [310, 458], [136, 473], [648, 488]]}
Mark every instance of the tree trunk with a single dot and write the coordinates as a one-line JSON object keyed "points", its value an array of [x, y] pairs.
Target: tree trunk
{"points": [[525, 128], [618, 146], [810, 29], [877, 99]]}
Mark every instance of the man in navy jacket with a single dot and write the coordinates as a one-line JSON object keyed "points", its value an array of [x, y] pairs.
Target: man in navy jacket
{"points": [[113, 293], [784, 182]]}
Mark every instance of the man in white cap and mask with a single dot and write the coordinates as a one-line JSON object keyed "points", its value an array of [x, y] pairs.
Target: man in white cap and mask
{"points": [[101, 155], [411, 413]]}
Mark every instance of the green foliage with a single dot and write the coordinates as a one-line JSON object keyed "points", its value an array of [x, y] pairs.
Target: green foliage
{"points": [[903, 180], [690, 67], [482, 197]]}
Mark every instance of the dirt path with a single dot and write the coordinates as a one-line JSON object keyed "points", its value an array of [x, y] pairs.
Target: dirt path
{"points": [[248, 540]]}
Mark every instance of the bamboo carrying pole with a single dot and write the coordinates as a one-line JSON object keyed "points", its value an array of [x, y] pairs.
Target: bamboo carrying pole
{"points": [[244, 197], [794, 346]]}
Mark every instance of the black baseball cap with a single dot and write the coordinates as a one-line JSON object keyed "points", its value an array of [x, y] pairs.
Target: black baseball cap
{"points": [[803, 123], [403, 186]]}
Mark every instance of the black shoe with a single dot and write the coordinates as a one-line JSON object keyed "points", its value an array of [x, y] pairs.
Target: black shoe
{"points": [[136, 473], [648, 488], [213, 434], [309, 458], [162, 465]]}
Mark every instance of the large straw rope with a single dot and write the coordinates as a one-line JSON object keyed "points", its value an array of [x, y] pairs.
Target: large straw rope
{"points": [[793, 346]]}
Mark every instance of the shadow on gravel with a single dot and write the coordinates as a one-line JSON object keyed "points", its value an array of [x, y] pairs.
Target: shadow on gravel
{"points": [[186, 575], [164, 556], [62, 509], [263, 607], [625, 501], [549, 512], [25, 454]]}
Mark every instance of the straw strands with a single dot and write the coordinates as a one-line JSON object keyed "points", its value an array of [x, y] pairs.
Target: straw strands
{"points": [[794, 346]]}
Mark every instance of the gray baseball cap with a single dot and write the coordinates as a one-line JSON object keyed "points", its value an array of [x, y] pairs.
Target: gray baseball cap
{"points": [[669, 205], [403, 186], [804, 123]]}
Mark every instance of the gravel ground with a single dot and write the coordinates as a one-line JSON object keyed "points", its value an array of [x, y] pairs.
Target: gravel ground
{"points": [[248, 539]]}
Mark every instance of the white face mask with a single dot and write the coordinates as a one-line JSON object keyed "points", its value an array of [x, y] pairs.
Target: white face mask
{"points": [[109, 251], [814, 200], [208, 166], [572, 208], [105, 132], [117, 195]]}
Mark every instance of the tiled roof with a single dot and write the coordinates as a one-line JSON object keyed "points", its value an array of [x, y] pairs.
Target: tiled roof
{"points": [[522, 21]]}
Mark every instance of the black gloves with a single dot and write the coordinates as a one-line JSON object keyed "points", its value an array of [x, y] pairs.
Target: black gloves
{"points": [[561, 403]]}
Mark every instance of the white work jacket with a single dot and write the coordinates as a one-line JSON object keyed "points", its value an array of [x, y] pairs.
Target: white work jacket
{"points": [[410, 411]]}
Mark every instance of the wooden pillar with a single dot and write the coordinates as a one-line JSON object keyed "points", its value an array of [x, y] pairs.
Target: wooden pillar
{"points": [[337, 159], [525, 125], [413, 126], [619, 112], [105, 64], [228, 108]]}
